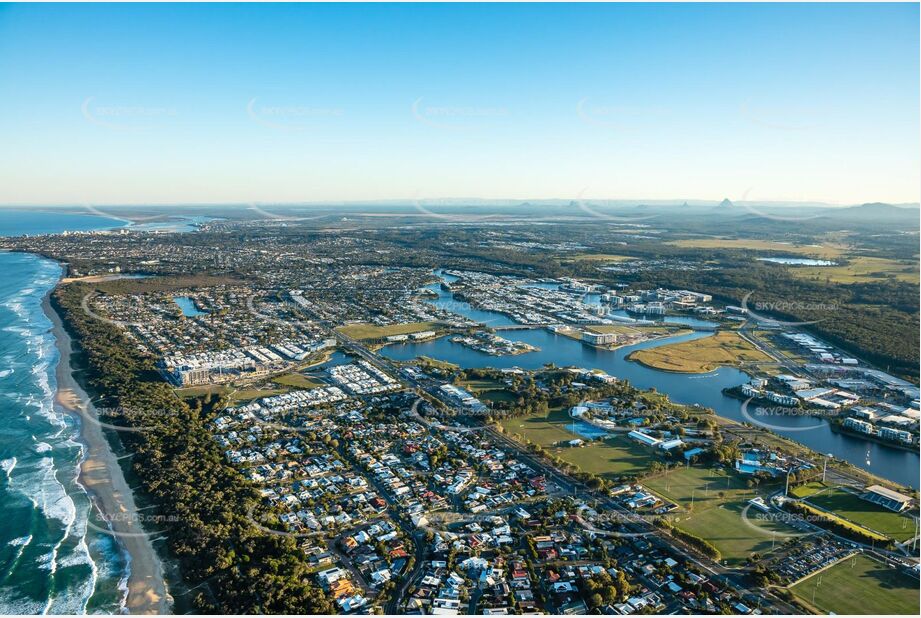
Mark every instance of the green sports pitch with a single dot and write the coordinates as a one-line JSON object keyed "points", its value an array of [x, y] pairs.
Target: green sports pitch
{"points": [[859, 585], [850, 506]]}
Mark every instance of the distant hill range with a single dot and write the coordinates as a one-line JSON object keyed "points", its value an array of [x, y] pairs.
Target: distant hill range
{"points": [[549, 209], [878, 211]]}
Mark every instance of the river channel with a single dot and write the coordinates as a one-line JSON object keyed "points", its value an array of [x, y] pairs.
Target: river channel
{"points": [[705, 390]]}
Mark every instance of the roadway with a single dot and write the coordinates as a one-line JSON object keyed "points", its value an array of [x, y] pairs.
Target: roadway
{"points": [[577, 488], [717, 571], [840, 476]]}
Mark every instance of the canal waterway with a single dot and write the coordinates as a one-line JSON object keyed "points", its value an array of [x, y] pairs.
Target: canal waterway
{"points": [[704, 390]]}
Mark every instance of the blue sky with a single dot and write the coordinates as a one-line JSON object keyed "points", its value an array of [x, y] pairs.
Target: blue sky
{"points": [[113, 104]]}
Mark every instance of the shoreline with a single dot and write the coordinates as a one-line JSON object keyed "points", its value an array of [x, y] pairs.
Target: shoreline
{"points": [[101, 476], [871, 438], [639, 361]]}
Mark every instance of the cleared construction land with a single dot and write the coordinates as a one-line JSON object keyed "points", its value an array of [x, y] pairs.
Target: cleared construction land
{"points": [[364, 331], [701, 355], [626, 329], [297, 380]]}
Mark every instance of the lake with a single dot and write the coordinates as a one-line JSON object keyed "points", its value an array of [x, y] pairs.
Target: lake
{"points": [[791, 261], [187, 306], [702, 389]]}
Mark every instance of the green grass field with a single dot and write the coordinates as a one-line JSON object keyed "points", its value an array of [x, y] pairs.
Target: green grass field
{"points": [[853, 508], [725, 528], [248, 394], [480, 386], [370, 331], [297, 380], [718, 518], [489, 390], [497, 396], [236, 395], [860, 585], [827, 250], [861, 270], [807, 489], [714, 517], [434, 362], [609, 458], [701, 484]]}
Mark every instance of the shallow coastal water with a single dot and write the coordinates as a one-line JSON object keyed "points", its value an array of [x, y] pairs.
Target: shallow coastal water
{"points": [[30, 223], [51, 561], [173, 224]]}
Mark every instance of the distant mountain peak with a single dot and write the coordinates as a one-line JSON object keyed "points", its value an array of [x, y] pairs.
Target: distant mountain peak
{"points": [[726, 203]]}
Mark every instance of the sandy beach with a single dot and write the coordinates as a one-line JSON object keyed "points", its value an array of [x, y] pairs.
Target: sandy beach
{"points": [[103, 479]]}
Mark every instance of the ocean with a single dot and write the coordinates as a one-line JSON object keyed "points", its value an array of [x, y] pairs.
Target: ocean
{"points": [[51, 560]]}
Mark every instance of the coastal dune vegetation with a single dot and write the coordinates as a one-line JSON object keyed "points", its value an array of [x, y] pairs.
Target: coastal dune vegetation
{"points": [[232, 565]]}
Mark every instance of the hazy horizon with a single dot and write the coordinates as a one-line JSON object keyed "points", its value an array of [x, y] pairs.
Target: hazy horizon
{"points": [[461, 201], [191, 104]]}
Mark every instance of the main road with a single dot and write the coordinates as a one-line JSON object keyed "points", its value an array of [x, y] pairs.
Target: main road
{"points": [[733, 579], [567, 483]]}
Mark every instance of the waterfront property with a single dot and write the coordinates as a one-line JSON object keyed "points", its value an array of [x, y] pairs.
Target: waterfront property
{"points": [[368, 466], [703, 390], [187, 306]]}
